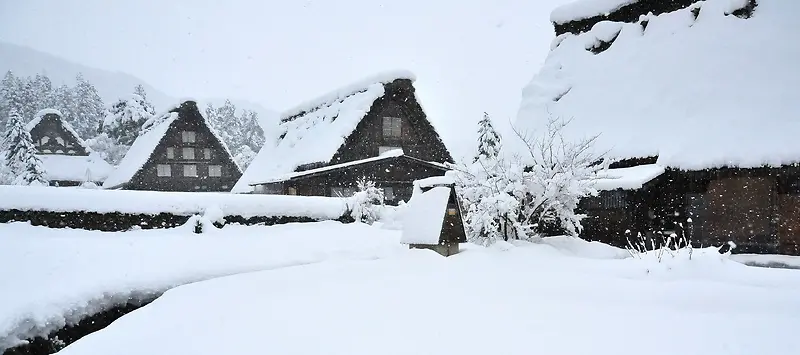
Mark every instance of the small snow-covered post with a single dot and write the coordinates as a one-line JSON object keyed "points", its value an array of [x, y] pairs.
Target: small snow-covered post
{"points": [[433, 217]]}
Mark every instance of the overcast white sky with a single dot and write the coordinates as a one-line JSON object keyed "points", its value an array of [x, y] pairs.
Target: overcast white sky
{"points": [[470, 56]]}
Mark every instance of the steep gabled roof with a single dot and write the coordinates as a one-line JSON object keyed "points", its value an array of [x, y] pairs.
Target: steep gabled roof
{"points": [[56, 114], [312, 132], [154, 131], [699, 87]]}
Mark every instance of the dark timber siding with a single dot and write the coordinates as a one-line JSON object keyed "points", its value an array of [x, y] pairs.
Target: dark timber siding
{"points": [[189, 120], [51, 126], [418, 139], [758, 209]]}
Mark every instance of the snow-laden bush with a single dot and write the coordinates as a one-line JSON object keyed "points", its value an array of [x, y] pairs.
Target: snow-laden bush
{"points": [[527, 195], [391, 217], [366, 204]]}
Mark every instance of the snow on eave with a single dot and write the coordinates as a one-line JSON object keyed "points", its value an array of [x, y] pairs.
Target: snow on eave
{"points": [[583, 9], [68, 127], [344, 92], [395, 153], [446, 180], [630, 178]]}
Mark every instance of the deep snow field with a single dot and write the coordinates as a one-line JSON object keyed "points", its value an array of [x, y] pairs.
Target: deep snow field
{"points": [[330, 288]]}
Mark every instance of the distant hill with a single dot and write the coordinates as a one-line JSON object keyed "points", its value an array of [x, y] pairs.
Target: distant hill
{"points": [[24, 61]]}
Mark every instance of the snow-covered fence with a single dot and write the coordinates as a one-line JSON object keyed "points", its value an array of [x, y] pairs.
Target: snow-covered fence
{"points": [[116, 210]]}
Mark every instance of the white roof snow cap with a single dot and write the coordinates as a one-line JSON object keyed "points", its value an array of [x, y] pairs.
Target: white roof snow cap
{"points": [[388, 155], [424, 217], [627, 178], [711, 92]]}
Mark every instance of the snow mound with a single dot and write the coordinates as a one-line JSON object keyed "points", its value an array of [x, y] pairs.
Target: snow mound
{"points": [[27, 198], [78, 273], [714, 91]]}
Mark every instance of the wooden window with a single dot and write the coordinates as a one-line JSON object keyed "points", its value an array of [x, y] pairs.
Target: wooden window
{"points": [[291, 191], [384, 149], [207, 153], [59, 140], [188, 136], [190, 170], [607, 200], [392, 127], [46, 151], [44, 140], [170, 153], [215, 170], [388, 193], [188, 153], [71, 151], [164, 170]]}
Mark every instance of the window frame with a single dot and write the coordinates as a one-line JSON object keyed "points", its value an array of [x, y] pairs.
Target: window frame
{"points": [[188, 136], [186, 166], [392, 127], [390, 190], [170, 153], [218, 167], [163, 170], [186, 156], [207, 153]]}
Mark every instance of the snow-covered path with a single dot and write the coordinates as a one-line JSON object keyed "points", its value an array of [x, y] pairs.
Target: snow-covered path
{"points": [[52, 276], [515, 300]]}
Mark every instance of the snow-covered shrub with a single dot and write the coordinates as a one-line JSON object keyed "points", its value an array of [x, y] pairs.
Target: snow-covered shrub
{"points": [[104, 146], [200, 224], [365, 205], [525, 195], [391, 217]]}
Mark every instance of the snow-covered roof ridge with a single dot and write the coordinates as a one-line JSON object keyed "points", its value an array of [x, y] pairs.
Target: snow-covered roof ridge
{"points": [[68, 127], [699, 89], [346, 91]]}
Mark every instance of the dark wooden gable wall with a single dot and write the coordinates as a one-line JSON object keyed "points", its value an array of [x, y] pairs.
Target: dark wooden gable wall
{"points": [[418, 138], [45, 136], [189, 119]]}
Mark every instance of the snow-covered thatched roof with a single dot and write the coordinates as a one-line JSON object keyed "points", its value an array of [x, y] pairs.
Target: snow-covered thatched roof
{"points": [[60, 167], [424, 217], [153, 131], [60, 117], [312, 132], [711, 91]]}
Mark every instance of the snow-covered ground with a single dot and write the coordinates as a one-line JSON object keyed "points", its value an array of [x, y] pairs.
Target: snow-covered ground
{"points": [[330, 288], [52, 276]]}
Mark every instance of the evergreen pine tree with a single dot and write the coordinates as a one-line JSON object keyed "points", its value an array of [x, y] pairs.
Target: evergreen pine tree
{"points": [[43, 90], [89, 108], [9, 97], [65, 102], [124, 121], [251, 132], [20, 155], [489, 142], [29, 98]]}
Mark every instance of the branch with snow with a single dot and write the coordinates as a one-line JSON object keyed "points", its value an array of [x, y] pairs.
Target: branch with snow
{"points": [[365, 205]]}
